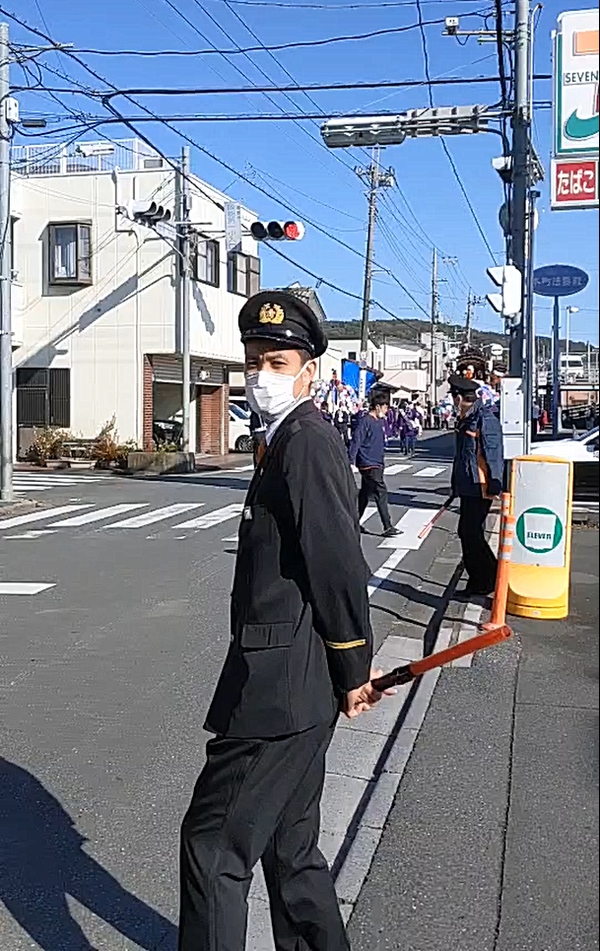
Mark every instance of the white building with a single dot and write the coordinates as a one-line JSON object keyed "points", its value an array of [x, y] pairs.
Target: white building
{"points": [[96, 322], [402, 364]]}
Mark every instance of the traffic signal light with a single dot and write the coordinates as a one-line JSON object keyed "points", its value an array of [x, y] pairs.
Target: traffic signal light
{"points": [[277, 230], [509, 301], [146, 212]]}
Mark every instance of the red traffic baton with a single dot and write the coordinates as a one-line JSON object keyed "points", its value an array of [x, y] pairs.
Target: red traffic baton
{"points": [[403, 675], [427, 528]]}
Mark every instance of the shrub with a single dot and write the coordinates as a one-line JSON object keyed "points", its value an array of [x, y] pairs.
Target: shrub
{"points": [[47, 444]]}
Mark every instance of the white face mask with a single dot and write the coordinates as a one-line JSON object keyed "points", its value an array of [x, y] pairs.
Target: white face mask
{"points": [[271, 394]]}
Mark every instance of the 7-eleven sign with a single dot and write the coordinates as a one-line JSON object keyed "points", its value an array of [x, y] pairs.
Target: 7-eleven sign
{"points": [[576, 98]]}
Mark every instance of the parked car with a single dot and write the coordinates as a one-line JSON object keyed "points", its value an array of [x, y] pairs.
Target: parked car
{"points": [[240, 437], [582, 450]]}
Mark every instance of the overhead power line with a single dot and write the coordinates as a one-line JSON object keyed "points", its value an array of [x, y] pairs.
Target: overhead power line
{"points": [[206, 152], [336, 287], [253, 90], [296, 44], [422, 25]]}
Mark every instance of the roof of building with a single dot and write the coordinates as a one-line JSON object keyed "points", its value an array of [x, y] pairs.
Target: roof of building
{"points": [[309, 296]]}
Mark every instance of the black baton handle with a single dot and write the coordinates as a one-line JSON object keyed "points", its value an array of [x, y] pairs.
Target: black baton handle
{"points": [[400, 675]]}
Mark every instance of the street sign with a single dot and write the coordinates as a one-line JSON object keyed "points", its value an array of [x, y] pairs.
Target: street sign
{"points": [[574, 183], [233, 225], [559, 280], [576, 107]]}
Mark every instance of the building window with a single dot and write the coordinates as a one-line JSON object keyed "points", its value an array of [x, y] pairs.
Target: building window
{"points": [[207, 262], [44, 397], [243, 274], [70, 245]]}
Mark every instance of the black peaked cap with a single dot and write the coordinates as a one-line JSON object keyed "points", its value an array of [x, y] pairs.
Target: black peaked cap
{"points": [[283, 318]]}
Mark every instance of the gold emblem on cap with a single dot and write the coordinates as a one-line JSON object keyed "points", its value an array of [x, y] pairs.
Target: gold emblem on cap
{"points": [[271, 314]]}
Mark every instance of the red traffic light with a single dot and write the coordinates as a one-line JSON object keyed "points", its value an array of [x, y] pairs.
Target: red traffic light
{"points": [[277, 230], [293, 230]]}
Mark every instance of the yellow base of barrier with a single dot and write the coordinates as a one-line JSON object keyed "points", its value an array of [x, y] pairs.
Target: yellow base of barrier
{"points": [[538, 594]]}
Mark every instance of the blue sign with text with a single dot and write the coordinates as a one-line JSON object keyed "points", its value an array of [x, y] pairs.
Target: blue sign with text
{"points": [[559, 280]]}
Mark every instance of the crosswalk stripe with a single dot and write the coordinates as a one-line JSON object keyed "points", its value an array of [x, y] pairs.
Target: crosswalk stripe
{"points": [[156, 515], [367, 514], [214, 518], [430, 472], [383, 573], [40, 515], [24, 587], [395, 469], [412, 522], [98, 515]]}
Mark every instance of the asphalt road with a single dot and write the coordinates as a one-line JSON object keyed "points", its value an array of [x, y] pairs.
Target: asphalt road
{"points": [[114, 598]]}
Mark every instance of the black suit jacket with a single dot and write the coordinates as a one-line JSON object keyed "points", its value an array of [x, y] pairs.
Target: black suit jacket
{"points": [[300, 627]]}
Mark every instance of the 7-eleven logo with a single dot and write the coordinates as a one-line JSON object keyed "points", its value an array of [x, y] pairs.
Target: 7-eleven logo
{"points": [[578, 128]]}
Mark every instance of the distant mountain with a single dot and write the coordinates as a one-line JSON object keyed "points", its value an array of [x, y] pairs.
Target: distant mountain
{"points": [[410, 331]]}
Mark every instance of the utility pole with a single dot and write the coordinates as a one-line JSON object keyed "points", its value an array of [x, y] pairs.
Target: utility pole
{"points": [[469, 318], [6, 370], [434, 320], [184, 290], [521, 173], [376, 180]]}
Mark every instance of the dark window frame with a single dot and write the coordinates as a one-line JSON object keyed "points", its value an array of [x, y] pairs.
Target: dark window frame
{"points": [[83, 275], [209, 251], [44, 397], [243, 280]]}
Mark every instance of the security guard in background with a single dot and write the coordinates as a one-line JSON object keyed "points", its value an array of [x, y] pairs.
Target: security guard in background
{"points": [[300, 652], [476, 479]]}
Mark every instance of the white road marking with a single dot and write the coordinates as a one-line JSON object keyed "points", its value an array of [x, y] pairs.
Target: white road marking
{"points": [[395, 469], [411, 523], [98, 515], [40, 515], [24, 587], [39, 534], [472, 617], [368, 512], [385, 570], [232, 538], [214, 518], [156, 515], [430, 472]]}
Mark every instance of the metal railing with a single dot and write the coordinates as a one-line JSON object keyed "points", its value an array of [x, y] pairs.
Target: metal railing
{"points": [[67, 158]]}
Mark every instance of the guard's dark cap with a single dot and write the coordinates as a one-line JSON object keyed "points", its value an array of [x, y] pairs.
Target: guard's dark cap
{"points": [[462, 386], [283, 318]]}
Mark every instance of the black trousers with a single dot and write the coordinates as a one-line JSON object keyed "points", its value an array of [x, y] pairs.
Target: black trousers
{"points": [[259, 800], [372, 486], [479, 560]]}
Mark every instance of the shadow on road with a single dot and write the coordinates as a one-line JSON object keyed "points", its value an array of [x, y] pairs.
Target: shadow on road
{"points": [[42, 861]]}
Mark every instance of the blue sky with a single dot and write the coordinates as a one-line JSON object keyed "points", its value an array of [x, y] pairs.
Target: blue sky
{"points": [[298, 170]]}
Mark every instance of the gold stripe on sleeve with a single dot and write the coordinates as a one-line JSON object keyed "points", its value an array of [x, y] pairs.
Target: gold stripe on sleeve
{"points": [[344, 645]]}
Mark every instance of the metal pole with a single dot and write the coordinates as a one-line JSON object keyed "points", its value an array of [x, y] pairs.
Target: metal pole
{"points": [[434, 318], [529, 329], [521, 121], [6, 370], [364, 330], [567, 341], [555, 365], [185, 294], [470, 305]]}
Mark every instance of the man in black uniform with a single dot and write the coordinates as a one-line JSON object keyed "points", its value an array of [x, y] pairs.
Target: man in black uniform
{"points": [[300, 652], [476, 480]]}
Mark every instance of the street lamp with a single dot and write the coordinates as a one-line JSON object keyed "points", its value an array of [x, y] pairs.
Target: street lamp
{"points": [[570, 311]]}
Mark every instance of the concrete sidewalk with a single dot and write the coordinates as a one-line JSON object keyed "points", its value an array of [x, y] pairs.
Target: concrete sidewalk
{"points": [[492, 844]]}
